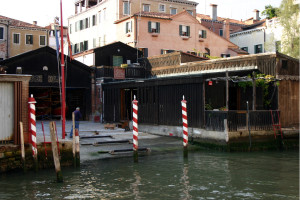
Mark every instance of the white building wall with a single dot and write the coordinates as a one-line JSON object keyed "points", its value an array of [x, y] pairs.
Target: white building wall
{"points": [[268, 36], [87, 59], [104, 32], [248, 38]]}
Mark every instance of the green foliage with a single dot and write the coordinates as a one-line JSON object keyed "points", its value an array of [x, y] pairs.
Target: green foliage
{"points": [[212, 57], [263, 81], [270, 12], [289, 19]]}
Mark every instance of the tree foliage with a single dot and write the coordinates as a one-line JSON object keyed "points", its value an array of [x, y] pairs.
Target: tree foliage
{"points": [[270, 12], [289, 19]]}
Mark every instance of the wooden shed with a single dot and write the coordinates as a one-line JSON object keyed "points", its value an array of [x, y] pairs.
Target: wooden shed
{"points": [[14, 93]]}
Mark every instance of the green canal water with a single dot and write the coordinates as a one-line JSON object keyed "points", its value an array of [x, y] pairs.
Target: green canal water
{"points": [[203, 175]]}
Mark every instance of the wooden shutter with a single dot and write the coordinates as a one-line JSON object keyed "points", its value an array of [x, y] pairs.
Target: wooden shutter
{"points": [[157, 27], [180, 29], [203, 33], [188, 31], [149, 26]]}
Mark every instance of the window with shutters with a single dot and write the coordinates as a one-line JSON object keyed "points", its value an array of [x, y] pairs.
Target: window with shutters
{"points": [[128, 27], [202, 34], [42, 40], [16, 38], [221, 32], [245, 48], [94, 20], [258, 48], [184, 30], [29, 39], [153, 27], [70, 28], [85, 45], [80, 24]]}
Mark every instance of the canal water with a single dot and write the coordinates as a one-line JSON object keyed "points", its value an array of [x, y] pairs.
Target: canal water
{"points": [[203, 175]]}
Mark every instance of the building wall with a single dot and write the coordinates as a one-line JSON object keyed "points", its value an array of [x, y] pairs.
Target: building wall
{"points": [[3, 42], [104, 32], [249, 39], [154, 6], [169, 38], [22, 47]]}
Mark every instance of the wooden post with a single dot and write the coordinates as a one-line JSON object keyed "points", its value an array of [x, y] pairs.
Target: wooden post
{"points": [[22, 147], [254, 92], [77, 148], [55, 153], [73, 146], [227, 91]]}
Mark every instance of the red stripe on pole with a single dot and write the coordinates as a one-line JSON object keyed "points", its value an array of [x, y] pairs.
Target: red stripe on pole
{"points": [[135, 124], [31, 102], [184, 122]]}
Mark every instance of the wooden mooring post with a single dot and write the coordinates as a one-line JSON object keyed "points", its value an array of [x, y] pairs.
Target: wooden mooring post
{"points": [[55, 153], [22, 146], [76, 147], [185, 127], [135, 129]]}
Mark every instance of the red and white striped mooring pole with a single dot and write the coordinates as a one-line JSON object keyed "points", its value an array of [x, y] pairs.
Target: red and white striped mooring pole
{"points": [[135, 124], [32, 126], [184, 123]]}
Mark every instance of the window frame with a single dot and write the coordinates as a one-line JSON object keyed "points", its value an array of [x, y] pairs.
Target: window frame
{"points": [[153, 30], [256, 47], [94, 20], [245, 49], [26, 39], [191, 12], [164, 6], [187, 32], [3, 32], [19, 38], [148, 6], [128, 27], [221, 32], [172, 8], [40, 40], [124, 11]]}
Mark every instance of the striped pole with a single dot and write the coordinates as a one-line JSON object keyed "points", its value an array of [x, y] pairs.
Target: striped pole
{"points": [[185, 123], [135, 124], [32, 120]]}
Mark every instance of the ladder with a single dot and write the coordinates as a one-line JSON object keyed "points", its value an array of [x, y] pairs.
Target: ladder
{"points": [[276, 126]]}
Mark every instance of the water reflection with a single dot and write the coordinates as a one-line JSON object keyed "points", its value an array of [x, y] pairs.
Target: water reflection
{"points": [[204, 175]]}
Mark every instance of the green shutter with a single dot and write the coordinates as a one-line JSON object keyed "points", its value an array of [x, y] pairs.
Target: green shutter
{"points": [[149, 26], [188, 31], [158, 27], [126, 27], [131, 26], [180, 29], [204, 33]]}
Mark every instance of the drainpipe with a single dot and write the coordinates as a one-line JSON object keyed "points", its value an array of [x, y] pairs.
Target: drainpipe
{"points": [[264, 39], [7, 37]]}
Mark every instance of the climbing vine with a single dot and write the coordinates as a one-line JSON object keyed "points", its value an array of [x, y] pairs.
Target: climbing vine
{"points": [[263, 81]]}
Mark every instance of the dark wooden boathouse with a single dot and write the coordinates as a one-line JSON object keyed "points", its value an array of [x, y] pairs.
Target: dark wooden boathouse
{"points": [[216, 100], [44, 84]]}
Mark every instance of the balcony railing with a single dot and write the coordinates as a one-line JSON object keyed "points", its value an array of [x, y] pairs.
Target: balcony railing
{"points": [[237, 120]]}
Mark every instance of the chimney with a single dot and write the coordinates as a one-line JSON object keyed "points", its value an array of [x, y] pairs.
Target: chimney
{"points": [[226, 30], [256, 15], [214, 12], [35, 23]]}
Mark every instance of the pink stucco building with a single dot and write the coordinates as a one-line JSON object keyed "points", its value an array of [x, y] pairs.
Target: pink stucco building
{"points": [[159, 33]]}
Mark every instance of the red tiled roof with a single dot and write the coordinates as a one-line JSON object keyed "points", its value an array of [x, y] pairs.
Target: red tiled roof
{"points": [[207, 17], [18, 23]]}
